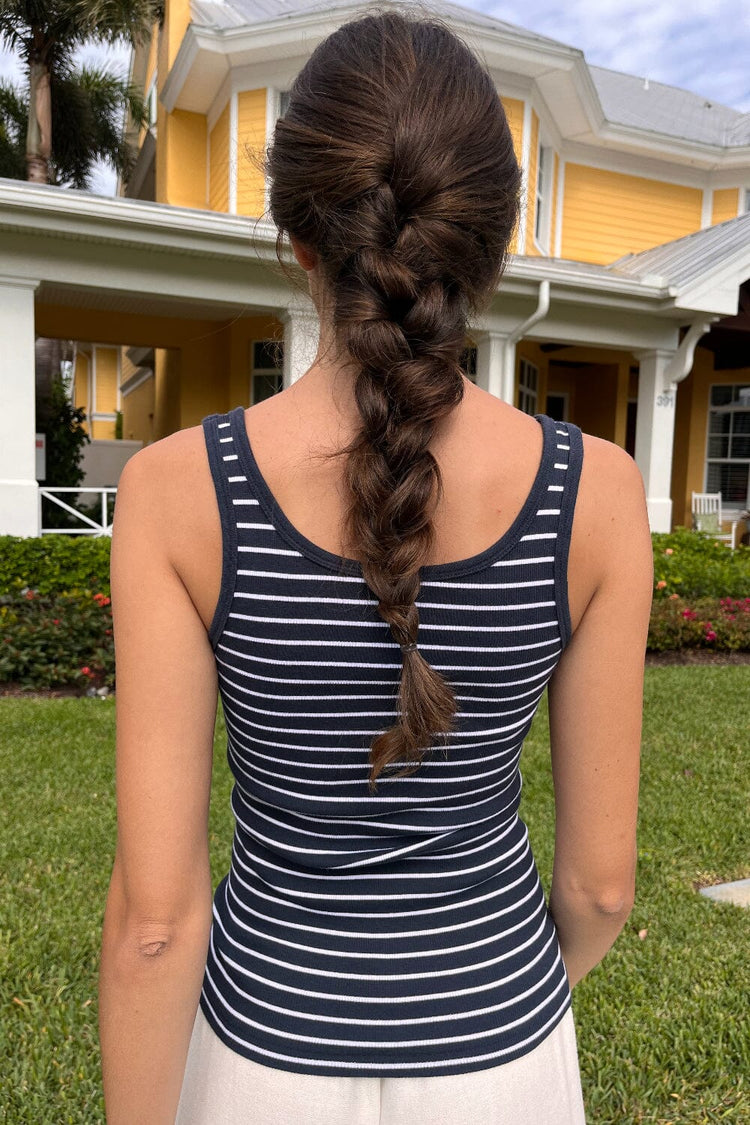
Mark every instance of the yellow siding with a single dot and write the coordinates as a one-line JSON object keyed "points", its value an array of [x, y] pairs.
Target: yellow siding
{"points": [[103, 431], [218, 184], [138, 413], [608, 214], [514, 112], [553, 217], [184, 182], [531, 247], [251, 140], [176, 20], [726, 206], [151, 58], [105, 369]]}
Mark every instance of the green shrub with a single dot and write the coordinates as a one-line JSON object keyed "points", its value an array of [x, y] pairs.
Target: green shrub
{"points": [[722, 624], [56, 640], [694, 565], [54, 563]]}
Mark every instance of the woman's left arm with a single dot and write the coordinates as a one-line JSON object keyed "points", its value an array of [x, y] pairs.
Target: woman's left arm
{"points": [[158, 910]]}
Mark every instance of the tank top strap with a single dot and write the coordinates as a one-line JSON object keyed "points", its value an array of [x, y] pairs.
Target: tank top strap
{"points": [[230, 483], [561, 478]]}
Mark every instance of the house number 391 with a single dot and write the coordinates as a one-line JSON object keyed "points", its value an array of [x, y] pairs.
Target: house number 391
{"points": [[664, 400]]}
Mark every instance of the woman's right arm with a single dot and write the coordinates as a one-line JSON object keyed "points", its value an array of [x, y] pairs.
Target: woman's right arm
{"points": [[595, 707]]}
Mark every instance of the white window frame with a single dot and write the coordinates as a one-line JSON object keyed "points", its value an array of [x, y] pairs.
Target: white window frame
{"points": [[528, 388], [728, 510], [543, 189], [152, 102]]}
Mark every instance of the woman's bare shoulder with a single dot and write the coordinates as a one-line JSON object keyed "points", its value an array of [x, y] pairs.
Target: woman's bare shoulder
{"points": [[168, 483]]}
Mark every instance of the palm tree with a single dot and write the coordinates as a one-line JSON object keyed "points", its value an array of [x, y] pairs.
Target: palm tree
{"points": [[68, 117]]}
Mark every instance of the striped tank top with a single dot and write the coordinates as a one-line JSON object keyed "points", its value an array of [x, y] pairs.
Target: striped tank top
{"points": [[405, 932]]}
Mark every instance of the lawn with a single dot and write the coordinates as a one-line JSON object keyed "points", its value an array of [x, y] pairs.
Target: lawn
{"points": [[660, 1021]]}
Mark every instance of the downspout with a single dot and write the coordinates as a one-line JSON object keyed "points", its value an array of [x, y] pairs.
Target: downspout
{"points": [[509, 357]]}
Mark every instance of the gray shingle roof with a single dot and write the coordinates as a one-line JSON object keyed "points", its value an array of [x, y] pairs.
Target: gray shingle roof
{"points": [[628, 100], [625, 99]]}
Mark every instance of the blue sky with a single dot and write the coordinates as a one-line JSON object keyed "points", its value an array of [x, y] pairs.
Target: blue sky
{"points": [[700, 45]]}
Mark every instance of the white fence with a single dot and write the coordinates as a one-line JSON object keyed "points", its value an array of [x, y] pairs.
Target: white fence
{"points": [[91, 526]]}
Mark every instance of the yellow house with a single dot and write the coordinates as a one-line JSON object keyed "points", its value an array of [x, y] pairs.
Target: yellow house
{"points": [[625, 306]]}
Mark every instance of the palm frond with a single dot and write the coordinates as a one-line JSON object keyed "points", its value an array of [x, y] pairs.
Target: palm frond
{"points": [[13, 118], [88, 108], [110, 21]]}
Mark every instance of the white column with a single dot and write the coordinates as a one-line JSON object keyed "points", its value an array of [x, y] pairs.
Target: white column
{"points": [[19, 513], [654, 435], [496, 364], [301, 337]]}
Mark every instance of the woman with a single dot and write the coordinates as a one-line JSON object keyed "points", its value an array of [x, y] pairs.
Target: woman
{"points": [[382, 567]]}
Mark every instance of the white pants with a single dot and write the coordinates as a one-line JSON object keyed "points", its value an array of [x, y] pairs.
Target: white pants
{"points": [[222, 1087]]}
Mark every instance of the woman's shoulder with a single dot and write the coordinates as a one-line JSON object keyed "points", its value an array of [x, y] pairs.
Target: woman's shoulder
{"points": [[168, 484]]}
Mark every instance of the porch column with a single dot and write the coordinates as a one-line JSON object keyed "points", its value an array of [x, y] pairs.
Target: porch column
{"points": [[654, 434], [301, 336], [496, 364], [19, 513]]}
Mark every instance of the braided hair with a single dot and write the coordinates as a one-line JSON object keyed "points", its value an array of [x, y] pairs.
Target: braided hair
{"points": [[394, 163]]}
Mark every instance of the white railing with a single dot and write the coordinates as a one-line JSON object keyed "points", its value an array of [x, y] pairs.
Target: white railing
{"points": [[92, 527]]}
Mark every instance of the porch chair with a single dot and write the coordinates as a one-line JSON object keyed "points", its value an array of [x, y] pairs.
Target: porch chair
{"points": [[706, 512]]}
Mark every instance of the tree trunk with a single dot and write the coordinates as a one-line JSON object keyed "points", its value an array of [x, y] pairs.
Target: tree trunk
{"points": [[39, 131]]}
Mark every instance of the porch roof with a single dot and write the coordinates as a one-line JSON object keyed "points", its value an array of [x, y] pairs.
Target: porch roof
{"points": [[43, 215]]}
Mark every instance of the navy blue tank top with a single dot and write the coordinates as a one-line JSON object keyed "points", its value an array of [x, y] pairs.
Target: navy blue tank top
{"points": [[404, 932]]}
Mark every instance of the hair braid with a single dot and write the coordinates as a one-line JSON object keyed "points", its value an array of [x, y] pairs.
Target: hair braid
{"points": [[409, 195]]}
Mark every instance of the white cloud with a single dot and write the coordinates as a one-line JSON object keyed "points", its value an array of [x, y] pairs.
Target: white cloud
{"points": [[699, 45]]}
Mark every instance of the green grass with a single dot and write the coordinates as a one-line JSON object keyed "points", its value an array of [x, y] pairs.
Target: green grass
{"points": [[659, 1021]]}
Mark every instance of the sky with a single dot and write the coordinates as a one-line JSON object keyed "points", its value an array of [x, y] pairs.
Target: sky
{"points": [[699, 45]]}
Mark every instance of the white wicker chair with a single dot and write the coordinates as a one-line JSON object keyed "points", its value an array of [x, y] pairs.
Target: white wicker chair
{"points": [[706, 512]]}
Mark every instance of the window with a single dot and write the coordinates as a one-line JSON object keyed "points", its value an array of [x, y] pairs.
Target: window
{"points": [[746, 199], [152, 103], [728, 452], [267, 365], [528, 386], [283, 102], [468, 362], [543, 198]]}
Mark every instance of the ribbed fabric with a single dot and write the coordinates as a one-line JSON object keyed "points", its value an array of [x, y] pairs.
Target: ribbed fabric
{"points": [[406, 932]]}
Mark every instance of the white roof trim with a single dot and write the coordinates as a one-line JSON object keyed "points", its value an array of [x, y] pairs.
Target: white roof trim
{"points": [[167, 234]]}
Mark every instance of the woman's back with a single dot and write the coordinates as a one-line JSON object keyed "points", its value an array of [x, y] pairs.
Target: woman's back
{"points": [[406, 931], [489, 456], [380, 569]]}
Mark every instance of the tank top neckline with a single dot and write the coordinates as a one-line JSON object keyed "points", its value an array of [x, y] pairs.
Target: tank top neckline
{"points": [[343, 565]]}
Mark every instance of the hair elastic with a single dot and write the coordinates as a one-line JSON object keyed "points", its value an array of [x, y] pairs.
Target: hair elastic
{"points": [[410, 647]]}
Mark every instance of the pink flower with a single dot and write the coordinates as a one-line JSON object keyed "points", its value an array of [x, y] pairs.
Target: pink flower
{"points": [[674, 595], [55, 621], [661, 584], [710, 635], [669, 551], [86, 671]]}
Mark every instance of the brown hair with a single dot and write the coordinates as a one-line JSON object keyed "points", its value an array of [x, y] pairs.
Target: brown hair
{"points": [[394, 163]]}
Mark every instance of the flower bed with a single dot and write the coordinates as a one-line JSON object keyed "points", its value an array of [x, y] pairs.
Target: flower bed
{"points": [[56, 632], [56, 640]]}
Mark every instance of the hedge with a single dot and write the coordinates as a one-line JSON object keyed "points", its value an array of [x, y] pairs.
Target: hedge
{"points": [[54, 563], [56, 623]]}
